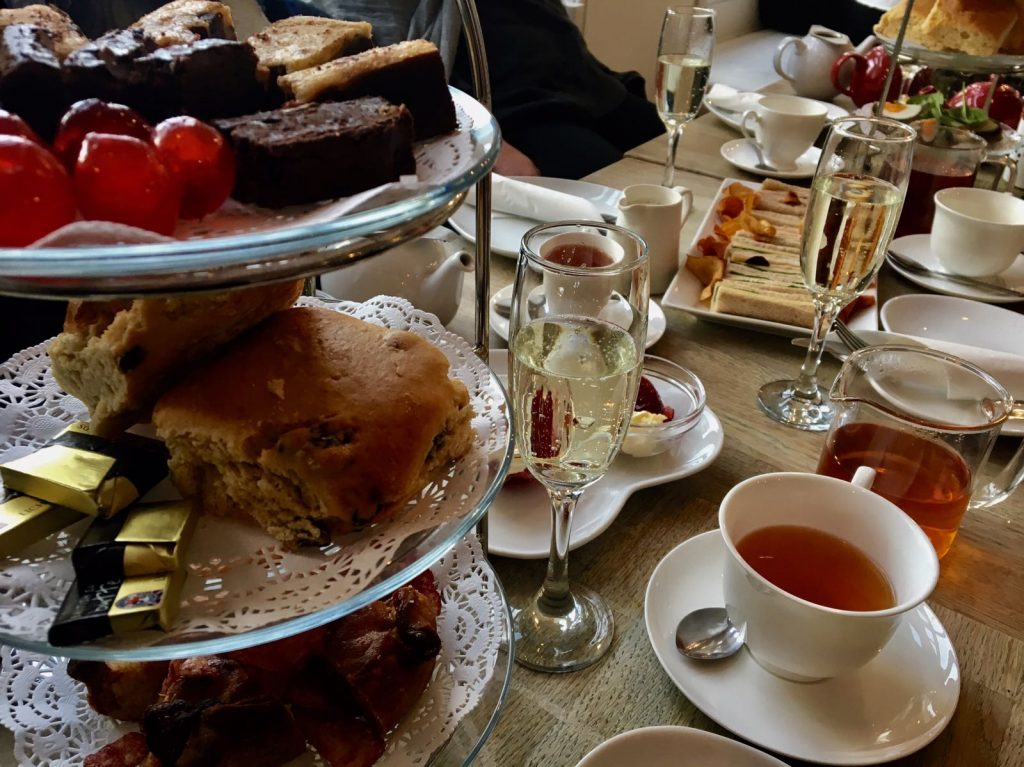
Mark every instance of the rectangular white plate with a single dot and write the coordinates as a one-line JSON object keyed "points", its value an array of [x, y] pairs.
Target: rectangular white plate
{"points": [[684, 292]]}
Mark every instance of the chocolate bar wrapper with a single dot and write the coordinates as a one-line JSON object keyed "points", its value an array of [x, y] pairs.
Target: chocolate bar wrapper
{"points": [[25, 520], [147, 539], [89, 474], [94, 610]]}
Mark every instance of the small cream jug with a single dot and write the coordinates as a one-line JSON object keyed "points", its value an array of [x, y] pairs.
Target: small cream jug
{"points": [[657, 214], [809, 65]]}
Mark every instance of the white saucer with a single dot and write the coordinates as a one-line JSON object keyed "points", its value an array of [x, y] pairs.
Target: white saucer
{"points": [[892, 707], [656, 322], [917, 247], [675, 747], [743, 101], [742, 155], [520, 517], [507, 231]]}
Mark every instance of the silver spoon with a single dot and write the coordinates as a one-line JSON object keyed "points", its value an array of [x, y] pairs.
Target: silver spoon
{"points": [[761, 164], [708, 634]]}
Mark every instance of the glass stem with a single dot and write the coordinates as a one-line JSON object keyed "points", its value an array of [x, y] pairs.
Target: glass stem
{"points": [[555, 598], [670, 163], [806, 387]]}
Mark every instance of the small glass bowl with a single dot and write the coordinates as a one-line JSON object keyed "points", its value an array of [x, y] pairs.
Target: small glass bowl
{"points": [[679, 389]]}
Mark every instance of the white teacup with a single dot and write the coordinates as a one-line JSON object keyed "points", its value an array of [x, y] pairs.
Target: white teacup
{"points": [[797, 639], [657, 213], [784, 127], [565, 292], [977, 232]]}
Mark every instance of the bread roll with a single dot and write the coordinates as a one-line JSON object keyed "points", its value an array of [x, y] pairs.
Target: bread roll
{"points": [[314, 423], [978, 27], [118, 357]]}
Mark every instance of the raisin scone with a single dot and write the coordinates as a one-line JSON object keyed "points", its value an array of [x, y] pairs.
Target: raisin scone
{"points": [[315, 423], [118, 357]]}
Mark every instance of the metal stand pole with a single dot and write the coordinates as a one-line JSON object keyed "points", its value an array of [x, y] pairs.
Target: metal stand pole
{"points": [[482, 87], [894, 60]]}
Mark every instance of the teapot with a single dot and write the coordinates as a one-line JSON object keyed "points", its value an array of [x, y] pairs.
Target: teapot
{"points": [[867, 76], [926, 422], [422, 271], [810, 63]]}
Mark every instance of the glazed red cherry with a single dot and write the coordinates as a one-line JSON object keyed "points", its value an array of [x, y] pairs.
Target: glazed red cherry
{"points": [[200, 160], [120, 178], [95, 116], [12, 125], [36, 196]]}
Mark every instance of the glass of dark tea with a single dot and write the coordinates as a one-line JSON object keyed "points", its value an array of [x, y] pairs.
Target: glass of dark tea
{"points": [[925, 421], [944, 157]]}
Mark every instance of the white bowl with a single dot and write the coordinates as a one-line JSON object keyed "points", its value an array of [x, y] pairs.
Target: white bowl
{"points": [[944, 318], [679, 389], [667, 746]]}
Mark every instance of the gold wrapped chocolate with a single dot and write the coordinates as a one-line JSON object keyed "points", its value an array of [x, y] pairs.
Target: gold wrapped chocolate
{"points": [[25, 520], [145, 540], [89, 474], [95, 610]]}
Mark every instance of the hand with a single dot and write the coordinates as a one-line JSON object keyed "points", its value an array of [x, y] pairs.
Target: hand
{"points": [[512, 162]]}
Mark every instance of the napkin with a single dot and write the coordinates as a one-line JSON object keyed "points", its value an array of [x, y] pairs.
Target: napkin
{"points": [[1006, 368], [728, 98], [523, 200]]}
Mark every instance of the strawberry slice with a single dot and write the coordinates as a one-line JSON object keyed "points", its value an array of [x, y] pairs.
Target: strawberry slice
{"points": [[647, 398]]}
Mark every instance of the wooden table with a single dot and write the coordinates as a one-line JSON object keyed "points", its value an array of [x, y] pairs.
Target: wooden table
{"points": [[554, 720]]}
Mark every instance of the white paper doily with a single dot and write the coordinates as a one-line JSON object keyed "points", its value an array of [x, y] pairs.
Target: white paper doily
{"points": [[54, 727], [240, 579]]}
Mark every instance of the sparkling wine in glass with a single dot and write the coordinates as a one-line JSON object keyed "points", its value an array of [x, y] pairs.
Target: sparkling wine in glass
{"points": [[576, 340], [854, 204], [681, 78]]}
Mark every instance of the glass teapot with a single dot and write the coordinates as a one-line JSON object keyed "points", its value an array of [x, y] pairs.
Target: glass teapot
{"points": [[926, 422]]}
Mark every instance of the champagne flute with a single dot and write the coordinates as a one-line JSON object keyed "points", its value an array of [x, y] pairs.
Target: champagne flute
{"points": [[576, 341], [684, 64], [855, 202]]}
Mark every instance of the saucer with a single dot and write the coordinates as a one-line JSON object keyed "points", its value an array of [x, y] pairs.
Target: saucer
{"points": [[656, 322], [742, 155], [667, 746], [960, 320], [892, 707], [917, 247]]}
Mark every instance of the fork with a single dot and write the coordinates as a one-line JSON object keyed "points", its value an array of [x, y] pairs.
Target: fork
{"points": [[851, 340]]}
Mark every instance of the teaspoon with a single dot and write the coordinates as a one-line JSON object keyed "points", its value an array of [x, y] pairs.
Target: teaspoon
{"points": [[708, 634]]}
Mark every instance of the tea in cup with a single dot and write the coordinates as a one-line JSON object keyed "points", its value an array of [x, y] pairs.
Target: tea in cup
{"points": [[784, 127], [564, 291], [820, 571], [977, 232]]}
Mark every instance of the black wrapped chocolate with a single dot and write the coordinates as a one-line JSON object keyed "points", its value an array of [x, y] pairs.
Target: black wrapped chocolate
{"points": [[94, 610], [89, 474], [147, 539]]}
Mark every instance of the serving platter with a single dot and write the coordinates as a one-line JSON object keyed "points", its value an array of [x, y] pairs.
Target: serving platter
{"points": [[965, 63], [242, 244], [53, 725], [243, 587], [684, 291]]}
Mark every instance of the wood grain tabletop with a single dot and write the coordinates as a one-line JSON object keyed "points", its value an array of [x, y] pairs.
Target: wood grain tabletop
{"points": [[554, 720]]}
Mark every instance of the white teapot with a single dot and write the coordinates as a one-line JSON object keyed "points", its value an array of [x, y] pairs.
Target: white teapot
{"points": [[422, 271], [809, 66]]}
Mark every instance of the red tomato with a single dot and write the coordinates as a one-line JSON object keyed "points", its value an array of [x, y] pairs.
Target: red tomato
{"points": [[95, 116], [35, 192], [120, 178], [200, 160], [12, 125], [1007, 105]]}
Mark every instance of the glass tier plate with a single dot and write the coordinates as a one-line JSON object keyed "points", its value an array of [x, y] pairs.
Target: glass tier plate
{"points": [[1000, 63], [243, 244], [244, 588], [54, 726]]}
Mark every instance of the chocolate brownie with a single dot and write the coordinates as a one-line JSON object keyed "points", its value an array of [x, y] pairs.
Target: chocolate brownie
{"points": [[319, 151], [30, 77], [409, 73], [107, 69]]}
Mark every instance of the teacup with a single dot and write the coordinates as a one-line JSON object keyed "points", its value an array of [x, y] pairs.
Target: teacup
{"points": [[798, 639], [564, 291], [784, 127], [977, 232], [657, 213]]}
